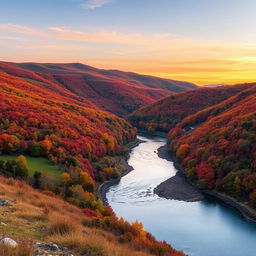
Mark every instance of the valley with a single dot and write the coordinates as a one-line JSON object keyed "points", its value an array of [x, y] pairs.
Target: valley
{"points": [[127, 128], [184, 224], [58, 138]]}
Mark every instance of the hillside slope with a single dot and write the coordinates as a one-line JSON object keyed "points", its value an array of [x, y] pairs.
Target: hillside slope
{"points": [[220, 152], [37, 220], [83, 143], [166, 113], [115, 91], [33, 114], [213, 135]]}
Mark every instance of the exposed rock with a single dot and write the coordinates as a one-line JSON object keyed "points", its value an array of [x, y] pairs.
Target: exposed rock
{"points": [[45, 228], [50, 249], [49, 246], [9, 242], [3, 224], [3, 202]]}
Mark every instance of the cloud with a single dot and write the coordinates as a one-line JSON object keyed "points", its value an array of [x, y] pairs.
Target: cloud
{"points": [[165, 55], [16, 28], [56, 47], [92, 4], [13, 38], [21, 29], [102, 36]]}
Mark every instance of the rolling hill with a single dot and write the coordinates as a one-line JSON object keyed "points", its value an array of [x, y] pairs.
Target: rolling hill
{"points": [[219, 153], [213, 135], [42, 123], [83, 145], [115, 91], [166, 113]]}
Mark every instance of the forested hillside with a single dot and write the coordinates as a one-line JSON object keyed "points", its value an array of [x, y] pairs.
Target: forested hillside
{"points": [[166, 113], [115, 91], [82, 146], [38, 123], [220, 153], [213, 135]]}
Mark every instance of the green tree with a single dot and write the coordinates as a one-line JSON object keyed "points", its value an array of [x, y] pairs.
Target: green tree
{"points": [[37, 181], [21, 167], [35, 149], [237, 187]]}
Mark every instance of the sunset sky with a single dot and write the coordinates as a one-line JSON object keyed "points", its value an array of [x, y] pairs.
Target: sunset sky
{"points": [[202, 41]]}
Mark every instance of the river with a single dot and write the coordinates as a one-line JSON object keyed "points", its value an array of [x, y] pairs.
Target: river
{"points": [[204, 228]]}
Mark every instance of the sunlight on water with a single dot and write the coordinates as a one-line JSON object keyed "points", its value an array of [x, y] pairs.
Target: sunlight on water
{"points": [[205, 228]]}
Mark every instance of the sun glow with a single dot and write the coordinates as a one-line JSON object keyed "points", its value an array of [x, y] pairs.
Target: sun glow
{"points": [[192, 59]]}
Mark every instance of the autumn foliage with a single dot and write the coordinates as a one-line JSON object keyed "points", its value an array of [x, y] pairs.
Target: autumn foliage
{"points": [[115, 91], [39, 117], [168, 112], [38, 123], [220, 152], [72, 135], [129, 233]]}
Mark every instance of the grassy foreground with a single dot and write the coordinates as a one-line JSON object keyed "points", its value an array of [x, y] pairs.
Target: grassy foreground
{"points": [[32, 216]]}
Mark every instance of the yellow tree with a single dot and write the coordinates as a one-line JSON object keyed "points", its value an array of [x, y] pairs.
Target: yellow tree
{"points": [[86, 181], [110, 141], [65, 179], [182, 151], [21, 168]]}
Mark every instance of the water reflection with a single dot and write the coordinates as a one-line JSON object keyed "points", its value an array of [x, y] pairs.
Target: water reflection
{"points": [[206, 228]]}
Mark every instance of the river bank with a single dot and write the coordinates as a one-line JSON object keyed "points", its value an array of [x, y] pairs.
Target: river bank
{"points": [[177, 187], [104, 187], [179, 183], [153, 134]]}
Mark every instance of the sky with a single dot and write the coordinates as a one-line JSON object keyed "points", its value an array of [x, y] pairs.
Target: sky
{"points": [[201, 41]]}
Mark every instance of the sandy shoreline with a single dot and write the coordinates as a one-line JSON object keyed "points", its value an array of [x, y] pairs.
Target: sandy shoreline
{"points": [[177, 187], [243, 209]]}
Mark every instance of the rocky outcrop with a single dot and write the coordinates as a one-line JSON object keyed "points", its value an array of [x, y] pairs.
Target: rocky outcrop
{"points": [[3, 202], [50, 249]]}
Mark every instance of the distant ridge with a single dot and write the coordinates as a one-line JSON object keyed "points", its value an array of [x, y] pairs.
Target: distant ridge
{"points": [[115, 91], [214, 85], [166, 113]]}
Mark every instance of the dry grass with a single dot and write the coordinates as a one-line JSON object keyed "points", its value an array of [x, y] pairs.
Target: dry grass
{"points": [[62, 225], [33, 211], [93, 244], [22, 250]]}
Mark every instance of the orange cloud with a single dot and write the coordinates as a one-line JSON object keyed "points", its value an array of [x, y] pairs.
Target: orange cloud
{"points": [[20, 29]]}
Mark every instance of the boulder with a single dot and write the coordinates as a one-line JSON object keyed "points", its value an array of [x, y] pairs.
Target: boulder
{"points": [[9, 242], [3, 202], [49, 246]]}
